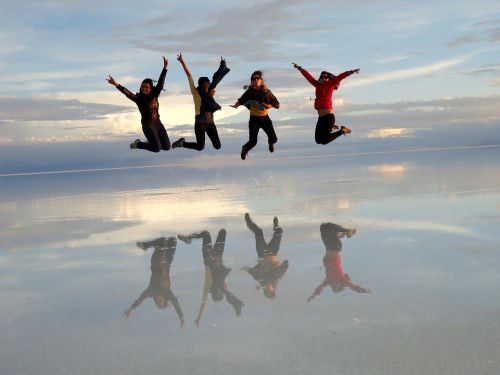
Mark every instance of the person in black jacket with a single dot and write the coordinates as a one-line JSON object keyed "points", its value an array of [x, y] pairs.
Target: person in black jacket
{"points": [[147, 102], [204, 106], [258, 99], [159, 288]]}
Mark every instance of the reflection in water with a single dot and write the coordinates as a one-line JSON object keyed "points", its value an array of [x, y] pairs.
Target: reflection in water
{"points": [[335, 277], [159, 285], [268, 269], [215, 271]]}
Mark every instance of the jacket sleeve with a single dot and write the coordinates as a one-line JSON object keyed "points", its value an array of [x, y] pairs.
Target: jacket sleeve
{"points": [[309, 77], [247, 95], [272, 99], [218, 75], [336, 82], [161, 82], [127, 93]]}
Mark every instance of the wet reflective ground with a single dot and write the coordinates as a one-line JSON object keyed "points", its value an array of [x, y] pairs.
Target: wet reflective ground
{"points": [[360, 264]]}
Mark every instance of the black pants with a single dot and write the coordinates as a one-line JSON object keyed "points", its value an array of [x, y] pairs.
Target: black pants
{"points": [[263, 248], [330, 236], [204, 123], [323, 134], [157, 137], [254, 125]]}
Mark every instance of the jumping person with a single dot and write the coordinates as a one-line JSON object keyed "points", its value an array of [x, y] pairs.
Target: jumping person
{"points": [[258, 99], [204, 107], [325, 85], [147, 102]]}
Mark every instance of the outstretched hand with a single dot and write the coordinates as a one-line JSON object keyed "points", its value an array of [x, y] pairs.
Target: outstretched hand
{"points": [[165, 62], [235, 105], [296, 66], [356, 71], [112, 81], [179, 58]]}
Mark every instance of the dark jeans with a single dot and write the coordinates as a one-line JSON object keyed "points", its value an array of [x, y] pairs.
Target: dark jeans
{"points": [[330, 236], [323, 134], [254, 125], [204, 123], [263, 248], [157, 137]]}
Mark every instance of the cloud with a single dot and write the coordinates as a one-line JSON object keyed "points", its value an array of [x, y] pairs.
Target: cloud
{"points": [[483, 33], [39, 109], [407, 73]]}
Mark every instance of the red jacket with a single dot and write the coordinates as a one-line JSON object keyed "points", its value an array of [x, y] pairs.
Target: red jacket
{"points": [[324, 92]]}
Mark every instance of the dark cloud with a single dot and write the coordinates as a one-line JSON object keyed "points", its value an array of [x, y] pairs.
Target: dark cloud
{"points": [[39, 109], [251, 31], [484, 32]]}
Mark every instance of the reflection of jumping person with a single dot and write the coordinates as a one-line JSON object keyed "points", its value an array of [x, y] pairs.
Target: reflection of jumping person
{"points": [[335, 277], [268, 269], [215, 272], [204, 106], [159, 285], [147, 102], [325, 85], [258, 98]]}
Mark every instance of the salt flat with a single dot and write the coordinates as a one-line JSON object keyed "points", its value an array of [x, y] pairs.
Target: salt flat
{"points": [[422, 255]]}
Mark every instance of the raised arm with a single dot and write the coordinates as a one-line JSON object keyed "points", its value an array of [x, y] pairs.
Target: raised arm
{"points": [[346, 74], [161, 80], [183, 63], [177, 307], [137, 303], [219, 74], [306, 75], [318, 290], [122, 89]]}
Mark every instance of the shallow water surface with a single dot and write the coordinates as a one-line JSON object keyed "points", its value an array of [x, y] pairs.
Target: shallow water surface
{"points": [[366, 264]]}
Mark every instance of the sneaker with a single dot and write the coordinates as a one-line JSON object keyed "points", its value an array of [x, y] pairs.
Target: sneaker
{"points": [[244, 153], [178, 143], [134, 144], [271, 147], [345, 130]]}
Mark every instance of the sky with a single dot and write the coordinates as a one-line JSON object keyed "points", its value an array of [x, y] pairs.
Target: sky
{"points": [[422, 63]]}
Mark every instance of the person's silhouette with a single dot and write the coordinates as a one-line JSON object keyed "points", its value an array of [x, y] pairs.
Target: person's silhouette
{"points": [[268, 270], [159, 287], [335, 277], [215, 272]]}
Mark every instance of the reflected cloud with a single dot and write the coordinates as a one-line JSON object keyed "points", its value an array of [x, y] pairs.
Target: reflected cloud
{"points": [[388, 132], [215, 272], [335, 277], [159, 288], [268, 270]]}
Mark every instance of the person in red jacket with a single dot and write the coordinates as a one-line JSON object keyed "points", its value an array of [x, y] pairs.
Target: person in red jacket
{"points": [[323, 103], [335, 277]]}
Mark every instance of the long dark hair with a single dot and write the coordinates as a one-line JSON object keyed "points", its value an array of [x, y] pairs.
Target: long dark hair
{"points": [[263, 86], [150, 82], [324, 72]]}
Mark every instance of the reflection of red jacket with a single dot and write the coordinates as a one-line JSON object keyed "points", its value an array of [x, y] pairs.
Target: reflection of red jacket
{"points": [[324, 92], [333, 270], [336, 277]]}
